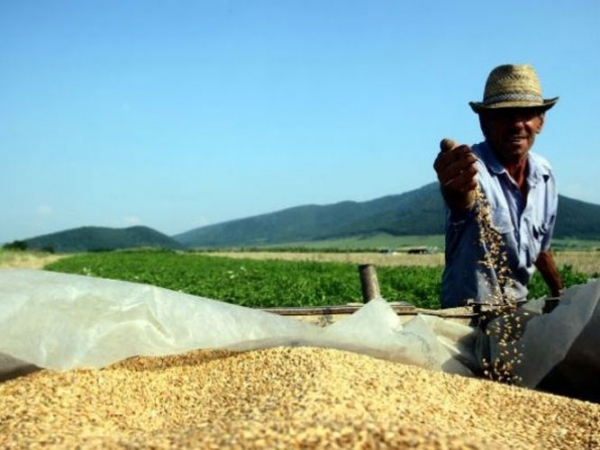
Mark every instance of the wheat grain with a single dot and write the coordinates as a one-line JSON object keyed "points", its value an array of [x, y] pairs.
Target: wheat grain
{"points": [[508, 330], [283, 398]]}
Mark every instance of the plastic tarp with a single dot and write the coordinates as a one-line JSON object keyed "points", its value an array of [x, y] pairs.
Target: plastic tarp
{"points": [[61, 322], [568, 338]]}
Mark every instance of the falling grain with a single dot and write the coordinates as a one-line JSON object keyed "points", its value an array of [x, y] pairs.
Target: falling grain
{"points": [[509, 329]]}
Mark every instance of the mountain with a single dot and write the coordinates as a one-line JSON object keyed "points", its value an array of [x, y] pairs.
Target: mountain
{"points": [[415, 213], [577, 219], [419, 212], [100, 238]]}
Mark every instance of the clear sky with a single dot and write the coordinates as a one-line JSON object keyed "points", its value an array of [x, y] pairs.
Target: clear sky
{"points": [[178, 114]]}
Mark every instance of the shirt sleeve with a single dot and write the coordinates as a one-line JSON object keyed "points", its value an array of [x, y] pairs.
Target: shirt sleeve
{"points": [[551, 212]]}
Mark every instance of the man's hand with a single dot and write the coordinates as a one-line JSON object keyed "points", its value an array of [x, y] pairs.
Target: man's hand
{"points": [[456, 171], [546, 264]]}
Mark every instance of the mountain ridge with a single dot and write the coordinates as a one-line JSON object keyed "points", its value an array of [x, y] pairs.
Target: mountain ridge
{"points": [[90, 238], [419, 212]]}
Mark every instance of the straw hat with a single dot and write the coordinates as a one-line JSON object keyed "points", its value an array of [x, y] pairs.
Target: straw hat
{"points": [[513, 86]]}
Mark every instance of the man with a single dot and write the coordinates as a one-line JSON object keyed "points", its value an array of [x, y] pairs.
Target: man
{"points": [[517, 186]]}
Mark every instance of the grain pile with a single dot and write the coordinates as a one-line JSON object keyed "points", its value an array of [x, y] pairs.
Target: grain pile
{"points": [[283, 398]]}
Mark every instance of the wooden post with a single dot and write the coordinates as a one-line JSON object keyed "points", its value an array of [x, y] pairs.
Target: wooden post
{"points": [[368, 282]]}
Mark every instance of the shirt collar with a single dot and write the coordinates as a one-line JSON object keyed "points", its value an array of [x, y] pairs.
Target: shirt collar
{"points": [[537, 172], [490, 160]]}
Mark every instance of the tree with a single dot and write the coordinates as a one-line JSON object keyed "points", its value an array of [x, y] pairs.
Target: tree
{"points": [[16, 245]]}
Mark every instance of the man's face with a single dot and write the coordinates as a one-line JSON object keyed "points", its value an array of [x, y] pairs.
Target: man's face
{"points": [[511, 131]]}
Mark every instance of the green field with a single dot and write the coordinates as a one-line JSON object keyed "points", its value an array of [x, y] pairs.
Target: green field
{"points": [[267, 283], [575, 244]]}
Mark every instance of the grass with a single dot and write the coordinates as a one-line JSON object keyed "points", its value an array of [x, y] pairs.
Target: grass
{"points": [[575, 245], [283, 278], [270, 282]]}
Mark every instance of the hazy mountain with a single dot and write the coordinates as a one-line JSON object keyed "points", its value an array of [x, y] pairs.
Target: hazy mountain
{"points": [[577, 219], [417, 212], [414, 213], [101, 238], [394, 214]]}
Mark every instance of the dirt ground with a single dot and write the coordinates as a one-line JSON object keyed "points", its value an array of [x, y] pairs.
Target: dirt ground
{"points": [[587, 262], [378, 259], [29, 260]]}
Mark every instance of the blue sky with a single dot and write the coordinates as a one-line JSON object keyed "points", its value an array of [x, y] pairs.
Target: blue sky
{"points": [[180, 114]]}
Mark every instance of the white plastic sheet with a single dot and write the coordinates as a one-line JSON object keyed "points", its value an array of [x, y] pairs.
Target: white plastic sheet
{"points": [[569, 336], [563, 345], [61, 322]]}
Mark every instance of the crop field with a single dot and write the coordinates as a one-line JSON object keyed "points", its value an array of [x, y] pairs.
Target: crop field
{"points": [[254, 282], [280, 279], [586, 262]]}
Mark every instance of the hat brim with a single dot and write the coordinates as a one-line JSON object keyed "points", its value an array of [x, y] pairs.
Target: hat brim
{"points": [[545, 106]]}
